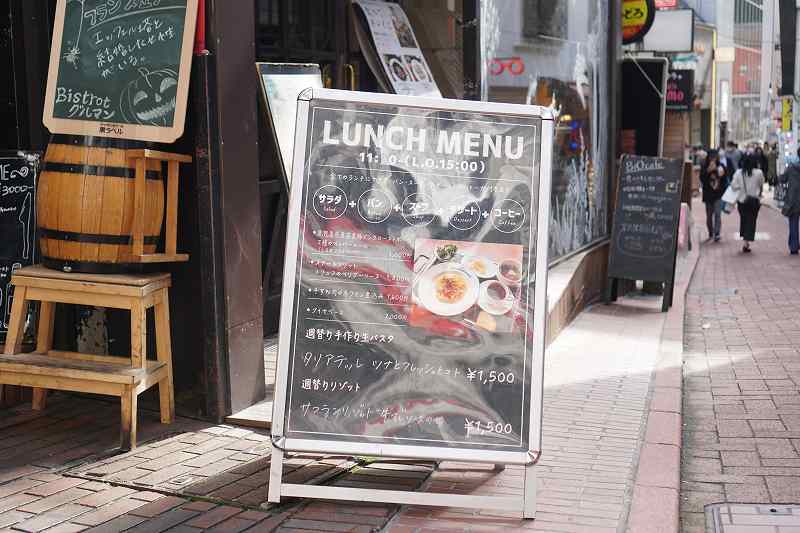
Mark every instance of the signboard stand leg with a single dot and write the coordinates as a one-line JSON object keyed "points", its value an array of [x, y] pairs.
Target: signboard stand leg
{"points": [[275, 476], [611, 290], [529, 493], [527, 505], [666, 301]]}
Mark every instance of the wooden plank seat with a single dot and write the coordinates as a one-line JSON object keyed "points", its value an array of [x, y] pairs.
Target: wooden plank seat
{"points": [[52, 365], [126, 377]]}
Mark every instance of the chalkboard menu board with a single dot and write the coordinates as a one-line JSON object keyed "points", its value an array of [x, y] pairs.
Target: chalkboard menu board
{"points": [[414, 313], [18, 173], [120, 68], [644, 234]]}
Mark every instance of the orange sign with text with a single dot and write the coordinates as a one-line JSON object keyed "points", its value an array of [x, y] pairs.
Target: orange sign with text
{"points": [[637, 17]]}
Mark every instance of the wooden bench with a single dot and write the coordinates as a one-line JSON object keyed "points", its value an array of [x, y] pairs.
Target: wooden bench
{"points": [[126, 377]]}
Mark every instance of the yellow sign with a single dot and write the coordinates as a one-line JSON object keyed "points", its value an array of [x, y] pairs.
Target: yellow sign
{"points": [[637, 17], [786, 114]]}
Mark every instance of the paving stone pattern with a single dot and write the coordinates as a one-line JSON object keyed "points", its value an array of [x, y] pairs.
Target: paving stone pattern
{"points": [[741, 375], [192, 476], [597, 379], [223, 464]]}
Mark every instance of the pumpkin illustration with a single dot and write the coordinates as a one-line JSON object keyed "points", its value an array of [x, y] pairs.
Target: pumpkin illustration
{"points": [[150, 98]]}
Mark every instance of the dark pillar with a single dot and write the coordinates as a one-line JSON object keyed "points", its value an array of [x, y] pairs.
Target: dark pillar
{"points": [[233, 142], [31, 26], [788, 33], [614, 99], [472, 49]]}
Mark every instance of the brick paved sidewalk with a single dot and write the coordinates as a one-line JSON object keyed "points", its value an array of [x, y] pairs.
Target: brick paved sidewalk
{"points": [[56, 474], [597, 380], [741, 375]]}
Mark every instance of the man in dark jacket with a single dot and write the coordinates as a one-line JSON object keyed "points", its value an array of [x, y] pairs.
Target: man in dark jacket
{"points": [[791, 205], [713, 179]]}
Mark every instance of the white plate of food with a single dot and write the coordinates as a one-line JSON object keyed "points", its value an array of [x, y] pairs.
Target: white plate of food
{"points": [[482, 267], [495, 298], [448, 289]]}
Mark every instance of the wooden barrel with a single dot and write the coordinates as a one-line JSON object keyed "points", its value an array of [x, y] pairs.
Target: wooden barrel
{"points": [[85, 205]]}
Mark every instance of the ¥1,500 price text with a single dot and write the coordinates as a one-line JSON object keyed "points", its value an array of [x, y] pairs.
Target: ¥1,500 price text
{"points": [[477, 427]]}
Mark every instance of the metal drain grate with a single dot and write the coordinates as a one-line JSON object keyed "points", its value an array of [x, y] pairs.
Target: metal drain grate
{"points": [[752, 517], [722, 291]]}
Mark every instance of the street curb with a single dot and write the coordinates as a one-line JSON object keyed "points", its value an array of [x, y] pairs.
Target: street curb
{"points": [[656, 492]]}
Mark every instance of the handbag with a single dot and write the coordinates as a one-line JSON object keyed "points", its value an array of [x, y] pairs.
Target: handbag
{"points": [[729, 199], [780, 194]]}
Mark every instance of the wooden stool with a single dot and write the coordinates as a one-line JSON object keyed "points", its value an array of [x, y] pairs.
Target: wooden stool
{"points": [[125, 377]]}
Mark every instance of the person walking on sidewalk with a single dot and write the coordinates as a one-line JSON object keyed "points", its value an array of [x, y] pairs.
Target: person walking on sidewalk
{"points": [[747, 182], [733, 156], [712, 178], [791, 203], [772, 165]]}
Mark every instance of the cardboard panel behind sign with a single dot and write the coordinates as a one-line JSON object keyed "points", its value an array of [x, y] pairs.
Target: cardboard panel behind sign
{"points": [[281, 83]]}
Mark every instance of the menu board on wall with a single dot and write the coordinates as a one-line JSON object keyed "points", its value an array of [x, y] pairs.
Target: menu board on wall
{"points": [[644, 234], [18, 173], [415, 277], [281, 83], [120, 68], [394, 47]]}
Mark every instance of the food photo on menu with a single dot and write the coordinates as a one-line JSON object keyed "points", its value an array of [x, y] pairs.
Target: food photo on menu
{"points": [[417, 68], [473, 283], [396, 67], [402, 28]]}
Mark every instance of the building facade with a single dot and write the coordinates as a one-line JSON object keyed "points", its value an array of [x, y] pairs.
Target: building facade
{"points": [[233, 207]]}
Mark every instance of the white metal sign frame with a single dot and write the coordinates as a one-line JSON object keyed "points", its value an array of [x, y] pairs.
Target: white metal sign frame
{"points": [[283, 445]]}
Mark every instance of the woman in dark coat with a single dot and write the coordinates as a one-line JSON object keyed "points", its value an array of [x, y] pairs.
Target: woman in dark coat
{"points": [[761, 160], [713, 180], [791, 204], [748, 182]]}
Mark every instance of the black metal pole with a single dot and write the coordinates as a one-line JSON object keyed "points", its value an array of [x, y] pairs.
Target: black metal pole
{"points": [[472, 49]]}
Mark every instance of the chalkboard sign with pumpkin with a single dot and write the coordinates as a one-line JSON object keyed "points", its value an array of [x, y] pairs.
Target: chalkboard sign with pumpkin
{"points": [[120, 68]]}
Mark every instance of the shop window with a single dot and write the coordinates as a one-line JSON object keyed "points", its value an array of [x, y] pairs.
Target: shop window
{"points": [[544, 18], [295, 30], [554, 53]]}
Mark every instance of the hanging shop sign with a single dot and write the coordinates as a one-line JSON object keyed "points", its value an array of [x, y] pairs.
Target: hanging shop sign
{"points": [[18, 176], [680, 90], [637, 17], [120, 69], [644, 235], [413, 322], [787, 111], [672, 31], [391, 48]]}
